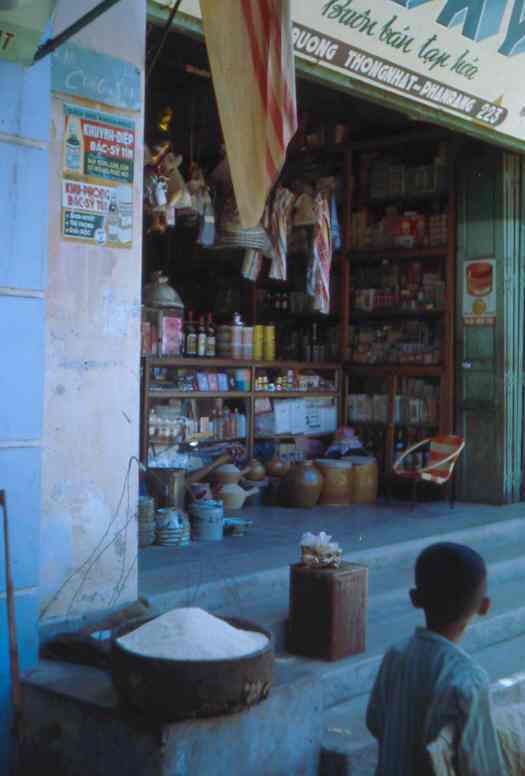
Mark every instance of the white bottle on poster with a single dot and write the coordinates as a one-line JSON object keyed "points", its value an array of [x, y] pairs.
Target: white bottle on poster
{"points": [[74, 146]]}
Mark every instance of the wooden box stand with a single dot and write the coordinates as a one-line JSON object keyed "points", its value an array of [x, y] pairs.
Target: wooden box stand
{"points": [[328, 611]]}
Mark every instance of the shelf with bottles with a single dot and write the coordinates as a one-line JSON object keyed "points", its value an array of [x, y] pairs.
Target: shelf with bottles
{"points": [[406, 343], [390, 289], [386, 370], [400, 199], [166, 334], [277, 303], [416, 171], [295, 382], [185, 421], [169, 379], [381, 255], [416, 403]]}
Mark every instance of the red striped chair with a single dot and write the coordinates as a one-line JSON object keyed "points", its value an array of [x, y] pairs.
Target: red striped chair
{"points": [[439, 470]]}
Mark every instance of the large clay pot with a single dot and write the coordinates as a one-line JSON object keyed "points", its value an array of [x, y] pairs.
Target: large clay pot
{"points": [[277, 467], [301, 487], [364, 480], [233, 496], [227, 474], [337, 482], [256, 471]]}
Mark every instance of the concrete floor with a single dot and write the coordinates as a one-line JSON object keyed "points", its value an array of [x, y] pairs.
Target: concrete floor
{"points": [[273, 539]]}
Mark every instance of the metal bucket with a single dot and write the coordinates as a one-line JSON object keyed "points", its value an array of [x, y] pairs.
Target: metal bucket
{"points": [[207, 521]]}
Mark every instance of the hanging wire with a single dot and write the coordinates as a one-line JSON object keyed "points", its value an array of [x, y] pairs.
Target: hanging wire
{"points": [[165, 34]]}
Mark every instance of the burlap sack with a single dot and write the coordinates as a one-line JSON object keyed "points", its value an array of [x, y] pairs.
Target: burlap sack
{"points": [[510, 724]]}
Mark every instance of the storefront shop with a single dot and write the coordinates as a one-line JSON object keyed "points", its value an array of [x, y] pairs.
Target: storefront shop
{"points": [[383, 290], [401, 341]]}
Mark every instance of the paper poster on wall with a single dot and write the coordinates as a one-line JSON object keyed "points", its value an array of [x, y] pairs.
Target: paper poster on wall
{"points": [[479, 293], [98, 172]]}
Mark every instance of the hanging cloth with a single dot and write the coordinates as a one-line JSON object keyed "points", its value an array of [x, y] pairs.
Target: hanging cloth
{"points": [[278, 230], [276, 221], [318, 273]]}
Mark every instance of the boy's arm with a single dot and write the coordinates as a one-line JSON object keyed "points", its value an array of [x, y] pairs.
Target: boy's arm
{"points": [[375, 713], [478, 751]]}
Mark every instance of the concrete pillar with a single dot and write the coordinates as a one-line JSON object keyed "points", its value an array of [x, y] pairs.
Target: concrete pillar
{"points": [[24, 139], [91, 427]]}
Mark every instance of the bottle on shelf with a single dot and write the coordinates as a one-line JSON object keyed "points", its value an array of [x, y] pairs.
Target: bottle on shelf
{"points": [[190, 337], [399, 445], [211, 341], [202, 339], [316, 348], [242, 426]]}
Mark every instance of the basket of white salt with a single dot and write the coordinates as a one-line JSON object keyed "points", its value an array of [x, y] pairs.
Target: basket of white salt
{"points": [[188, 663]]}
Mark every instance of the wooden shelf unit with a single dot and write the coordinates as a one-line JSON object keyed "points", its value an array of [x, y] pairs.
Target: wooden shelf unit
{"points": [[346, 260], [392, 374], [150, 394]]}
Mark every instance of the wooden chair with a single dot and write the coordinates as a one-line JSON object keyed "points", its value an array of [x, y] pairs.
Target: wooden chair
{"points": [[443, 456]]}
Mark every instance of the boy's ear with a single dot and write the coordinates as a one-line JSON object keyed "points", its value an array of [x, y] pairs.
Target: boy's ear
{"points": [[484, 606], [415, 598]]}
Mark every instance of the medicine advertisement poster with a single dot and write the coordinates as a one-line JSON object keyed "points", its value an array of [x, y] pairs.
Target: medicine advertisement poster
{"points": [[479, 293], [98, 173]]}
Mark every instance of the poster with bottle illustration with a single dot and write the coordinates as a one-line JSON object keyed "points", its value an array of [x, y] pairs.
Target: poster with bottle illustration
{"points": [[98, 172], [479, 293]]}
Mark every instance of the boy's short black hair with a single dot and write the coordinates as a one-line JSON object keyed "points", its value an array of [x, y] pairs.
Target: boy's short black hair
{"points": [[449, 577]]}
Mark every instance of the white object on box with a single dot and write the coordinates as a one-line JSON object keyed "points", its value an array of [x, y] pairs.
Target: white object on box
{"points": [[328, 419], [283, 416], [298, 416], [313, 417]]}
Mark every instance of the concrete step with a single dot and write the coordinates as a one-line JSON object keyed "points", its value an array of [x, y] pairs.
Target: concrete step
{"points": [[353, 676], [388, 592], [348, 747], [498, 540]]}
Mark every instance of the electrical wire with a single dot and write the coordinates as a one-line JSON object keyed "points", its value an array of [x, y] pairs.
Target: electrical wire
{"points": [[99, 550], [165, 34]]}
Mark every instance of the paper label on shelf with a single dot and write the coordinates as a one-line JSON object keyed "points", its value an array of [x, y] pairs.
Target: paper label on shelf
{"points": [[313, 417], [299, 416], [283, 416]]}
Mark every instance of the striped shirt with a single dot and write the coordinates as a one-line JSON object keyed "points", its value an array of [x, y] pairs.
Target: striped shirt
{"points": [[423, 685]]}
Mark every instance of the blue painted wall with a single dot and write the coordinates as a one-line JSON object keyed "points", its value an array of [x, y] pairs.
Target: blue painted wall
{"points": [[24, 136]]}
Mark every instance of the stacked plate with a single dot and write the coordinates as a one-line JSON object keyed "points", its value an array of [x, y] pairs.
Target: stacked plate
{"points": [[146, 520], [173, 528]]}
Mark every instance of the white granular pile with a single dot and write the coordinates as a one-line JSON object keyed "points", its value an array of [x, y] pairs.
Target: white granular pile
{"points": [[192, 634]]}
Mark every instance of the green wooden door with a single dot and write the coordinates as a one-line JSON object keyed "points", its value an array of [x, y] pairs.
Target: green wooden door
{"points": [[489, 368], [478, 406]]}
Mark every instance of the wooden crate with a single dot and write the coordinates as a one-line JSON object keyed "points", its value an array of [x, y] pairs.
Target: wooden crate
{"points": [[328, 611]]}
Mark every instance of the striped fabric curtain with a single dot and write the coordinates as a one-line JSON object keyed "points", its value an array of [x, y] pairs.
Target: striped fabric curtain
{"points": [[250, 50]]}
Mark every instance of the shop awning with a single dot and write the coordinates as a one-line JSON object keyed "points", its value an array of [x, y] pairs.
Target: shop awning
{"points": [[451, 62], [22, 24]]}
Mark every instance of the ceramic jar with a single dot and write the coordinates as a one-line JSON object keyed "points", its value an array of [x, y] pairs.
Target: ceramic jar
{"points": [[337, 482], [301, 487], [277, 467], [227, 474], [233, 496], [256, 471]]}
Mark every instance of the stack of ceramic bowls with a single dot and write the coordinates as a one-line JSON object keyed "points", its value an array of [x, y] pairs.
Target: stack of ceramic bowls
{"points": [[146, 519], [173, 528]]}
